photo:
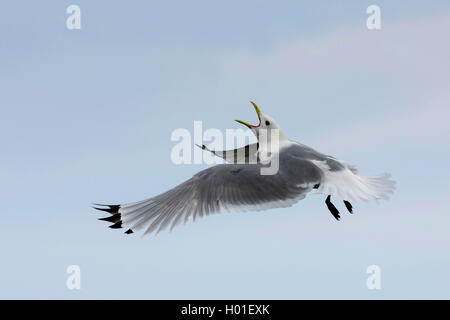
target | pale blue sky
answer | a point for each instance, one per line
(86, 116)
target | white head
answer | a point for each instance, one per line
(266, 125)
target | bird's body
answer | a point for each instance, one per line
(240, 186)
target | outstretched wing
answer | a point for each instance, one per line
(225, 187)
(247, 154)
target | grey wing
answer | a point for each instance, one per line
(304, 152)
(247, 154)
(225, 187)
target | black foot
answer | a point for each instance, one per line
(332, 208)
(348, 205)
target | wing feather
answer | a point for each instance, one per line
(225, 187)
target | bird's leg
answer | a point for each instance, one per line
(332, 208)
(348, 205)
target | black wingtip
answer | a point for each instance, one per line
(106, 205)
(349, 206)
(114, 218)
(203, 147)
(110, 208)
(116, 225)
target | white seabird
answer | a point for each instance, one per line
(240, 186)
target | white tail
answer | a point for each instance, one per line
(347, 185)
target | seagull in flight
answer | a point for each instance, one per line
(239, 184)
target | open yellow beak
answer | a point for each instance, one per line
(258, 112)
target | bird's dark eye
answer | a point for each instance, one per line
(267, 123)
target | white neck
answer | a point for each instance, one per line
(271, 140)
